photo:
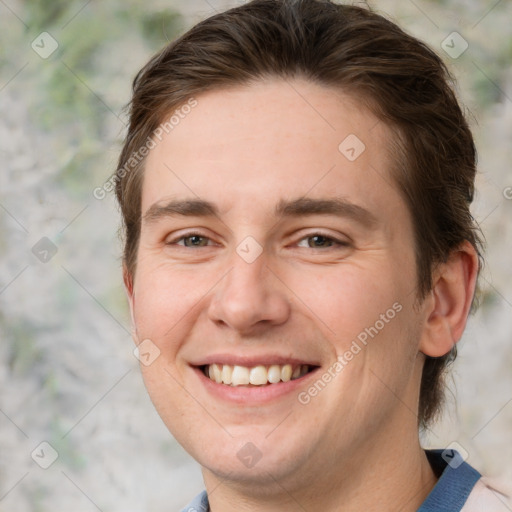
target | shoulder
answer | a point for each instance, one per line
(488, 495)
(462, 488)
(198, 504)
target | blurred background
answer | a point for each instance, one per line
(68, 376)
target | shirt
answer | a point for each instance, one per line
(460, 488)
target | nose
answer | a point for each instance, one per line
(250, 297)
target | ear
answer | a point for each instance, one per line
(128, 288)
(448, 303)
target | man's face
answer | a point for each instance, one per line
(277, 278)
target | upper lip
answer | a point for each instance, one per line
(251, 360)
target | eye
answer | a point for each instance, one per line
(322, 241)
(190, 240)
(314, 241)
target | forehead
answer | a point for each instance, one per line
(271, 140)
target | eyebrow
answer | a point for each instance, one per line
(285, 208)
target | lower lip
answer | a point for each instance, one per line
(253, 395)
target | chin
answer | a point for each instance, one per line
(250, 460)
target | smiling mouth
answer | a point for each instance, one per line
(261, 375)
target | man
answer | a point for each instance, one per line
(300, 258)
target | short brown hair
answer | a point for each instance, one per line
(401, 80)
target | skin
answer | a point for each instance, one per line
(356, 441)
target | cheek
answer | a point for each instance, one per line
(345, 300)
(365, 314)
(166, 301)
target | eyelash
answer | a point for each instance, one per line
(335, 241)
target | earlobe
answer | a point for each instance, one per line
(127, 279)
(449, 301)
(128, 288)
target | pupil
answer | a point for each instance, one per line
(195, 238)
(319, 238)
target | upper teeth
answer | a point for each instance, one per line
(256, 375)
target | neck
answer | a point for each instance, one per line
(395, 476)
